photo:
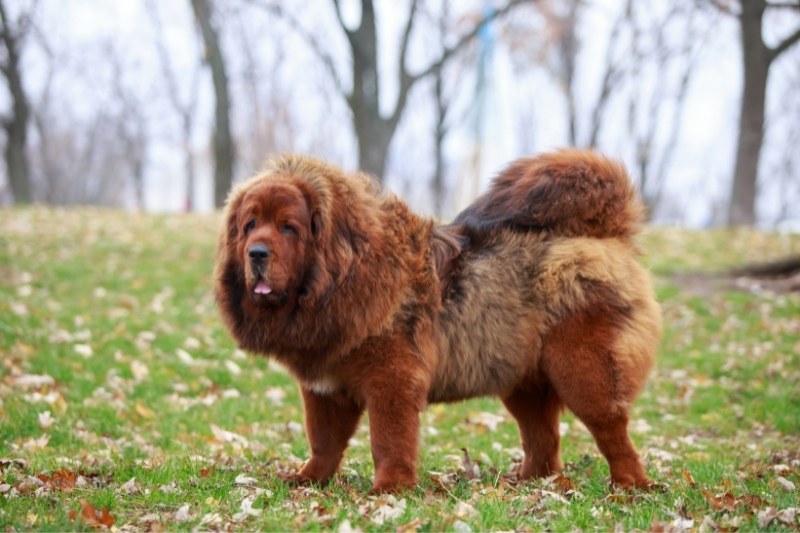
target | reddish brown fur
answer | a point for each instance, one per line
(533, 294)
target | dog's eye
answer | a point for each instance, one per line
(288, 229)
(250, 226)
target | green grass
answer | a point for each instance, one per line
(142, 383)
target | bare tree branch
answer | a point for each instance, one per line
(311, 39)
(783, 5)
(337, 9)
(723, 6)
(407, 80)
(784, 45)
(611, 77)
(406, 38)
(467, 38)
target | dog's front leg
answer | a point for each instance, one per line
(330, 422)
(394, 406)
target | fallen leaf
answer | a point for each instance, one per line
(183, 514)
(130, 486)
(276, 395)
(144, 411)
(36, 444)
(185, 357)
(46, 420)
(84, 350)
(242, 479)
(389, 509)
(211, 519)
(721, 502)
(766, 516)
(563, 484)
(6, 463)
(233, 368)
(461, 527)
(223, 435)
(246, 509)
(33, 381)
(688, 478)
(785, 484)
(345, 527)
(486, 420)
(788, 516)
(139, 370)
(92, 516)
(471, 470)
(465, 511)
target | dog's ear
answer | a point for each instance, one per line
(334, 249)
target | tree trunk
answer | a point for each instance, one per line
(223, 142)
(439, 133)
(373, 131)
(756, 60)
(16, 125)
(188, 162)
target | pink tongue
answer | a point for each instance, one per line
(262, 288)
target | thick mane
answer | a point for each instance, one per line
(345, 213)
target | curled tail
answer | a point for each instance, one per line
(566, 193)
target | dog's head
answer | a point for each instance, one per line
(290, 236)
(273, 228)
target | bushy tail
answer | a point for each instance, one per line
(566, 193)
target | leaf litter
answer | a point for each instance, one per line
(141, 341)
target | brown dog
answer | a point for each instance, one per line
(532, 294)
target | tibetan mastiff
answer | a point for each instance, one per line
(532, 294)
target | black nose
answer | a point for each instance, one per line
(258, 252)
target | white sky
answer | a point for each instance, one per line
(81, 31)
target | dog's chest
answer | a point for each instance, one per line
(323, 386)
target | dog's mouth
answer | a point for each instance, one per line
(264, 294)
(262, 288)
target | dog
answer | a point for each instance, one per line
(533, 294)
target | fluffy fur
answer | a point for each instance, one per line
(533, 294)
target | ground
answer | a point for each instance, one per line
(124, 403)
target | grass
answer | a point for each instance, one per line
(123, 401)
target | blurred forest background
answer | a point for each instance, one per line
(161, 105)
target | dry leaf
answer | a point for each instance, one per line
(785, 484)
(92, 516)
(46, 420)
(688, 478)
(84, 350)
(183, 514)
(143, 411)
(244, 480)
(788, 516)
(766, 516)
(465, 511)
(33, 381)
(471, 470)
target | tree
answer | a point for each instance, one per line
(12, 35)
(655, 113)
(374, 130)
(223, 140)
(757, 57)
(183, 107)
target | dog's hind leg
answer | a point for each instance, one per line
(536, 409)
(597, 380)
